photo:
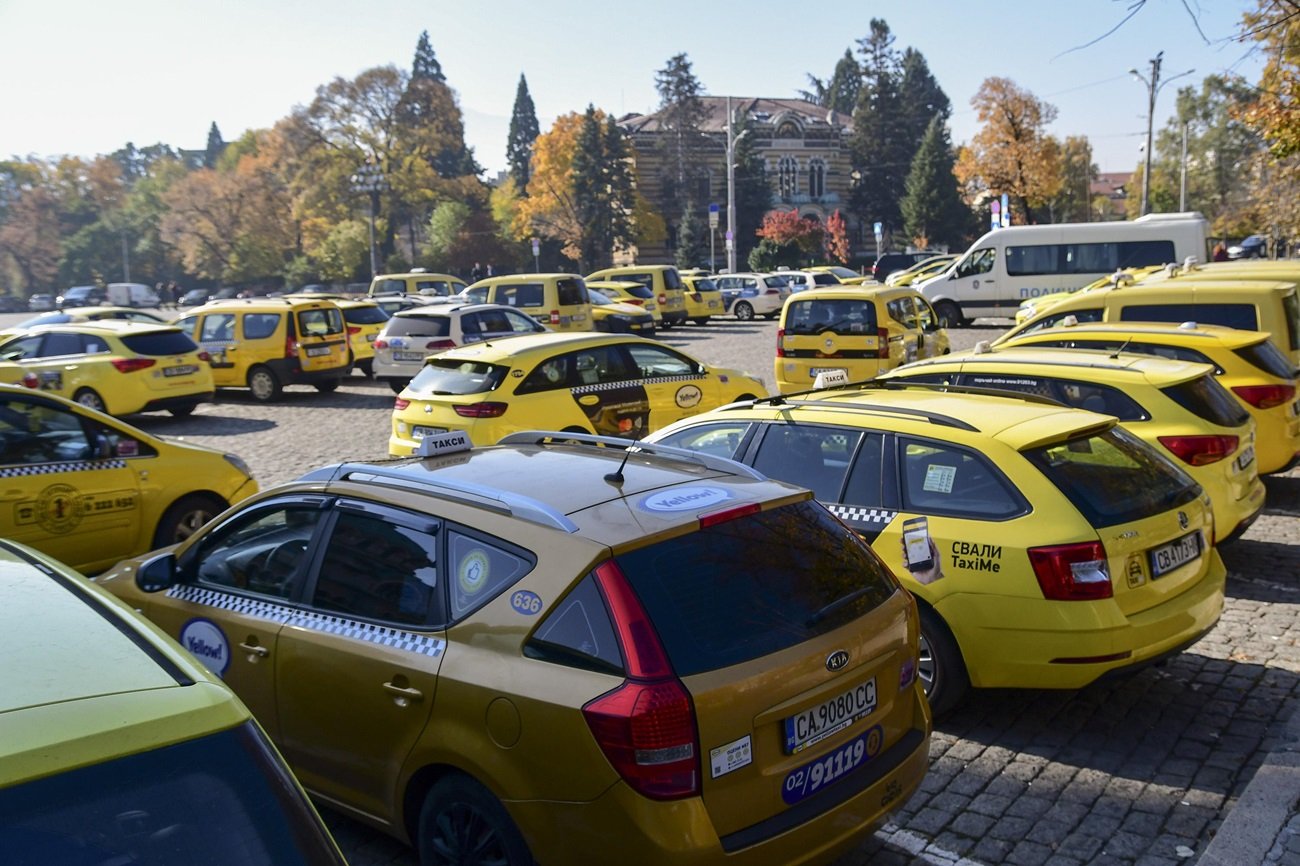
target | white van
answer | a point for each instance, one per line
(1010, 264)
(132, 295)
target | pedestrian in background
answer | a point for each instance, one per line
(476, 273)
(1220, 253)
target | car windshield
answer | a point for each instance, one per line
(787, 574)
(222, 798)
(1113, 477)
(454, 376)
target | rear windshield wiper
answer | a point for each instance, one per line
(835, 605)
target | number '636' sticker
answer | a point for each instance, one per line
(527, 603)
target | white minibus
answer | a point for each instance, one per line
(1008, 265)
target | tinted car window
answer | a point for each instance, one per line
(264, 551)
(672, 280)
(32, 432)
(847, 316)
(1113, 477)
(450, 376)
(1070, 392)
(365, 315)
(1240, 316)
(1206, 398)
(813, 457)
(61, 344)
(938, 478)
(478, 570)
(374, 568)
(578, 632)
(1116, 344)
(1291, 308)
(386, 286)
(418, 326)
(320, 322)
(722, 439)
(257, 326)
(159, 343)
(749, 561)
(1089, 315)
(1268, 358)
(522, 295)
(570, 292)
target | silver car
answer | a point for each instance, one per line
(414, 334)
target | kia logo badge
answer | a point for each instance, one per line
(1182, 519)
(837, 660)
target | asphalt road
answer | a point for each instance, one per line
(1136, 771)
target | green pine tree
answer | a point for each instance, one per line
(523, 132)
(881, 153)
(932, 209)
(426, 65)
(840, 93)
(216, 146)
(753, 190)
(692, 239)
(681, 114)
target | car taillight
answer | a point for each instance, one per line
(1265, 396)
(130, 365)
(400, 404)
(707, 520)
(381, 344)
(882, 337)
(204, 356)
(440, 344)
(31, 380)
(555, 317)
(481, 410)
(772, 292)
(1199, 450)
(640, 302)
(1072, 572)
(290, 347)
(646, 726)
(663, 300)
(780, 338)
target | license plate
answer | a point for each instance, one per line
(1246, 457)
(408, 356)
(370, 338)
(317, 351)
(183, 370)
(419, 431)
(1175, 553)
(812, 777)
(830, 717)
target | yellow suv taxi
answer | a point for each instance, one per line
(703, 298)
(264, 344)
(1177, 407)
(584, 383)
(510, 654)
(90, 490)
(116, 747)
(860, 330)
(1246, 363)
(1046, 546)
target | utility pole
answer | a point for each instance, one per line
(1153, 90)
(1182, 175)
(731, 190)
(369, 178)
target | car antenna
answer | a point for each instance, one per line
(616, 477)
(1123, 346)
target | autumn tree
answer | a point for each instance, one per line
(933, 212)
(837, 239)
(523, 132)
(784, 227)
(30, 231)
(1073, 201)
(1012, 152)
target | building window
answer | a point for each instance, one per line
(816, 178)
(788, 176)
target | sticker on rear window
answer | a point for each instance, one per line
(472, 573)
(684, 499)
(732, 756)
(938, 479)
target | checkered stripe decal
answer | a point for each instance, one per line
(322, 622)
(858, 514)
(632, 383)
(57, 468)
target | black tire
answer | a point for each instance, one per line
(461, 823)
(666, 325)
(182, 411)
(701, 320)
(327, 386)
(90, 399)
(949, 315)
(743, 311)
(186, 515)
(771, 316)
(942, 670)
(367, 368)
(264, 385)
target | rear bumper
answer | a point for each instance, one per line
(290, 372)
(183, 402)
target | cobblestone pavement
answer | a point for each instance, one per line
(1136, 771)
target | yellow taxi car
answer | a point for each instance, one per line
(628, 293)
(663, 280)
(264, 344)
(112, 365)
(365, 320)
(90, 490)
(847, 276)
(921, 271)
(1246, 363)
(85, 314)
(703, 298)
(610, 315)
(585, 383)
(417, 281)
(1177, 407)
(861, 330)
(1047, 547)
(118, 747)
(1031, 307)
(500, 655)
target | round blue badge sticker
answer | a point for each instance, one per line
(685, 499)
(206, 642)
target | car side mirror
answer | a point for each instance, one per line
(157, 574)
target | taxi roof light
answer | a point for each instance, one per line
(1200, 450)
(1072, 572)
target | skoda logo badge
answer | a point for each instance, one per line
(829, 342)
(1182, 519)
(837, 660)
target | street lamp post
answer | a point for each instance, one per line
(1153, 90)
(369, 178)
(731, 190)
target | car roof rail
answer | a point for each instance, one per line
(710, 461)
(501, 501)
(933, 417)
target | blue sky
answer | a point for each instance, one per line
(85, 76)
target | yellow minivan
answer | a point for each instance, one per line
(663, 280)
(558, 301)
(264, 344)
(416, 282)
(861, 330)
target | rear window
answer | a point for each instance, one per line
(672, 280)
(160, 343)
(570, 292)
(418, 326)
(521, 295)
(1205, 398)
(847, 316)
(324, 322)
(365, 315)
(822, 278)
(1267, 357)
(1240, 316)
(703, 285)
(1291, 308)
(637, 290)
(755, 585)
(451, 376)
(386, 287)
(1114, 477)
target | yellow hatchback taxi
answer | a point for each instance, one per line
(663, 280)
(89, 489)
(115, 366)
(1047, 547)
(1246, 363)
(1177, 407)
(582, 383)
(628, 293)
(703, 298)
(117, 747)
(860, 330)
(503, 655)
(264, 344)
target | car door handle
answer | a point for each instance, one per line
(255, 649)
(403, 696)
